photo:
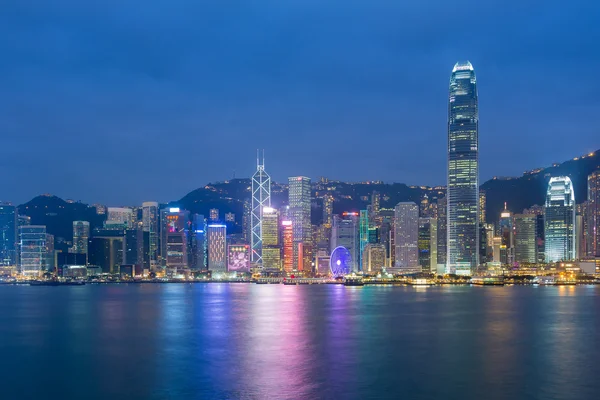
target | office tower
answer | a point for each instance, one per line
(345, 233)
(50, 259)
(538, 211)
(271, 251)
(150, 226)
(106, 249)
(238, 259)
(482, 205)
(376, 202)
(174, 234)
(363, 240)
(120, 216)
(559, 219)
(81, 237)
(442, 233)
(213, 214)
(524, 238)
(593, 214)
(426, 208)
(198, 245)
(463, 171)
(246, 221)
(300, 215)
(328, 210)
(216, 238)
(261, 198)
(32, 249)
(407, 236)
(287, 234)
(133, 253)
(506, 232)
(427, 243)
(497, 249)
(488, 242)
(375, 258)
(8, 234)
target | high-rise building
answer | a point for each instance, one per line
(442, 233)
(271, 251)
(32, 249)
(120, 216)
(107, 249)
(300, 215)
(345, 233)
(287, 235)
(133, 253)
(524, 238)
(150, 227)
(213, 214)
(538, 212)
(261, 198)
(482, 205)
(50, 259)
(375, 258)
(81, 237)
(363, 233)
(328, 210)
(174, 238)
(559, 219)
(463, 171)
(427, 243)
(506, 232)
(217, 247)
(593, 214)
(198, 243)
(8, 234)
(581, 229)
(407, 236)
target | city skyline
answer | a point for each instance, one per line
(131, 98)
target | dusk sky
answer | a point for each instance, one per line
(122, 101)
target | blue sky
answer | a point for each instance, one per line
(124, 101)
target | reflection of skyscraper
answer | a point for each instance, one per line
(407, 236)
(300, 211)
(217, 247)
(32, 246)
(559, 217)
(8, 234)
(150, 227)
(593, 211)
(261, 198)
(463, 167)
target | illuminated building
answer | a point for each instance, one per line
(538, 212)
(344, 233)
(559, 219)
(198, 245)
(328, 210)
(506, 232)
(593, 214)
(322, 259)
(375, 203)
(238, 259)
(50, 259)
(363, 239)
(427, 242)
(229, 217)
(482, 204)
(463, 169)
(497, 250)
(261, 198)
(8, 234)
(426, 208)
(300, 213)
(375, 258)
(174, 233)
(150, 228)
(217, 247)
(106, 249)
(581, 230)
(288, 246)
(213, 214)
(442, 233)
(81, 237)
(271, 252)
(133, 252)
(524, 237)
(100, 209)
(406, 236)
(32, 249)
(120, 215)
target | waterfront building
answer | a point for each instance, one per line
(174, 238)
(150, 228)
(106, 249)
(271, 251)
(299, 192)
(442, 233)
(363, 237)
(198, 243)
(50, 259)
(407, 236)
(261, 198)
(8, 234)
(133, 252)
(559, 219)
(463, 171)
(344, 232)
(287, 234)
(427, 243)
(506, 232)
(238, 258)
(32, 250)
(538, 212)
(217, 247)
(524, 238)
(593, 214)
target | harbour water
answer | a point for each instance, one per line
(247, 341)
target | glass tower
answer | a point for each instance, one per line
(593, 215)
(300, 214)
(463, 171)
(559, 220)
(261, 198)
(8, 234)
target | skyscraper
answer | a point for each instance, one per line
(8, 234)
(593, 215)
(300, 213)
(217, 247)
(524, 238)
(261, 198)
(345, 233)
(407, 236)
(287, 238)
(81, 237)
(463, 171)
(150, 227)
(559, 220)
(428, 244)
(198, 243)
(442, 234)
(174, 238)
(271, 251)
(32, 246)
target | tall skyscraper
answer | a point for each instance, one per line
(300, 213)
(593, 214)
(559, 219)
(150, 227)
(375, 258)
(442, 234)
(363, 233)
(506, 232)
(482, 205)
(463, 171)
(287, 238)
(217, 247)
(271, 251)
(198, 245)
(174, 238)
(33, 251)
(407, 236)
(524, 238)
(428, 244)
(261, 198)
(8, 234)
(81, 237)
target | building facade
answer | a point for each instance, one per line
(593, 215)
(300, 215)
(217, 247)
(261, 198)
(406, 236)
(559, 220)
